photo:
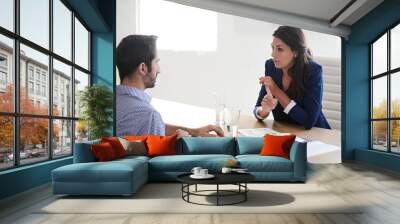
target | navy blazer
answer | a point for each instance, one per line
(308, 109)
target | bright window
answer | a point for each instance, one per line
(36, 116)
(385, 96)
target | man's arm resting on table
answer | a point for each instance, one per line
(171, 129)
(202, 131)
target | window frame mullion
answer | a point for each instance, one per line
(50, 81)
(389, 106)
(15, 71)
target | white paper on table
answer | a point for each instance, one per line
(260, 132)
(257, 132)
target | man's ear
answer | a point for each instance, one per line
(142, 68)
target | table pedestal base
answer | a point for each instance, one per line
(220, 193)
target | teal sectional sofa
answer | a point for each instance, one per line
(125, 176)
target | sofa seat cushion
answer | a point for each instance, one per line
(185, 163)
(112, 171)
(257, 163)
(133, 158)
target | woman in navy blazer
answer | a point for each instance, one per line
(292, 85)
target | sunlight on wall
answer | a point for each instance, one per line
(179, 27)
(183, 114)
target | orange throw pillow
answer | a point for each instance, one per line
(103, 152)
(161, 145)
(135, 138)
(277, 145)
(116, 145)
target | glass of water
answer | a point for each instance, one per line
(231, 120)
(219, 104)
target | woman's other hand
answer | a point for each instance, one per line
(268, 103)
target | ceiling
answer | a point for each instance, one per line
(320, 9)
(316, 15)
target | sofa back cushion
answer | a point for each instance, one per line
(206, 145)
(83, 153)
(249, 145)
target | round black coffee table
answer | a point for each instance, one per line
(238, 179)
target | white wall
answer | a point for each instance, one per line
(233, 69)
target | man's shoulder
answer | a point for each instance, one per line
(131, 104)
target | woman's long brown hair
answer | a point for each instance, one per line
(295, 39)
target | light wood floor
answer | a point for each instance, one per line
(378, 188)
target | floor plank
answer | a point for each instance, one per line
(376, 189)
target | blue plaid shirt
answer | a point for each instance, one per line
(135, 114)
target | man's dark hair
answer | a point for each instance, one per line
(134, 50)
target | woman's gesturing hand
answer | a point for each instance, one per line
(267, 81)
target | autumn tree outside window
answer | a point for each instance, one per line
(44, 64)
